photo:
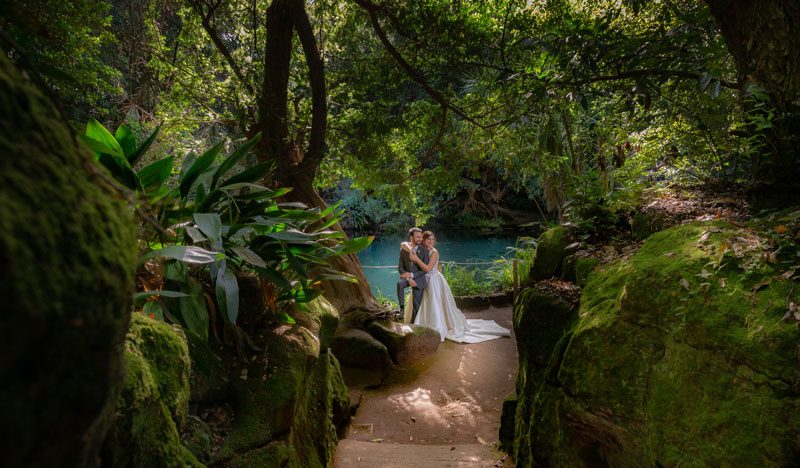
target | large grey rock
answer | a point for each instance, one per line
(357, 348)
(406, 343)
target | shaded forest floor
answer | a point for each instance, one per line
(443, 411)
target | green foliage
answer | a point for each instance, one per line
(466, 281)
(220, 224)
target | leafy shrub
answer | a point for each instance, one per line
(215, 224)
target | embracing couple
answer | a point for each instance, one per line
(431, 300)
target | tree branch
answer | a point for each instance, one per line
(415, 75)
(316, 76)
(649, 72)
(212, 32)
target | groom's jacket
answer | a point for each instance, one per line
(405, 265)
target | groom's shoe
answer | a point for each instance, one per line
(398, 315)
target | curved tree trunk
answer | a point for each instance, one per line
(763, 37)
(284, 18)
(67, 249)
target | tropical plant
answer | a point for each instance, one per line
(220, 225)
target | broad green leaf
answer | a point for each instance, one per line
(252, 174)
(193, 310)
(185, 253)
(297, 265)
(195, 234)
(334, 277)
(120, 169)
(126, 139)
(291, 235)
(274, 277)
(234, 158)
(143, 294)
(97, 132)
(156, 173)
(199, 167)
(298, 205)
(356, 244)
(249, 256)
(210, 224)
(228, 294)
(137, 154)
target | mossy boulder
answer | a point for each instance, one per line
(406, 343)
(153, 407)
(646, 223)
(68, 250)
(584, 266)
(197, 437)
(289, 399)
(674, 359)
(357, 348)
(549, 253)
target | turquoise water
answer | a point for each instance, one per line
(452, 247)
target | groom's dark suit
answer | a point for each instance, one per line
(406, 265)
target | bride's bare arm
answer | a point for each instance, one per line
(405, 246)
(431, 262)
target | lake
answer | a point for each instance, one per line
(452, 247)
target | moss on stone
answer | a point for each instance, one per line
(152, 408)
(584, 266)
(197, 438)
(289, 399)
(549, 253)
(67, 248)
(672, 362)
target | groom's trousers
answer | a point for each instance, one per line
(416, 294)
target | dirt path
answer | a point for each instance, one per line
(444, 411)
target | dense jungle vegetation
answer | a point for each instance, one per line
(478, 114)
(262, 138)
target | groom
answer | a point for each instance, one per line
(410, 273)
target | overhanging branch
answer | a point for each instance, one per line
(416, 75)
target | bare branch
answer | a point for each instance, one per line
(415, 74)
(207, 17)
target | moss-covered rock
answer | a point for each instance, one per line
(406, 343)
(289, 399)
(584, 266)
(197, 438)
(153, 407)
(357, 348)
(646, 223)
(549, 253)
(670, 362)
(67, 249)
(568, 268)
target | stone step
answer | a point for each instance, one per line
(358, 453)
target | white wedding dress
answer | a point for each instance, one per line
(438, 310)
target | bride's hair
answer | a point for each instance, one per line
(427, 234)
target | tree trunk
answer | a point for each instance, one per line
(284, 17)
(763, 37)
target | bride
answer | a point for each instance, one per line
(438, 308)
